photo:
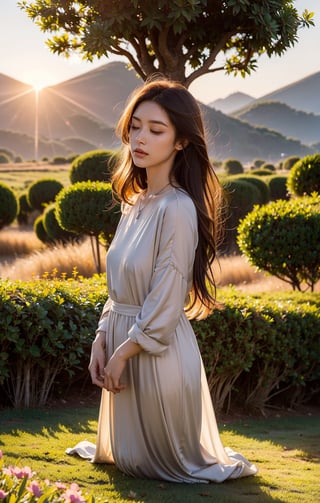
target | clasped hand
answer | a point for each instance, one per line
(106, 375)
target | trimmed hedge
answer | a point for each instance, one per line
(304, 177)
(283, 239)
(253, 348)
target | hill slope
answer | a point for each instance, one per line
(232, 103)
(87, 107)
(301, 95)
(280, 117)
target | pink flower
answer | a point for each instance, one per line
(60, 485)
(73, 494)
(1, 454)
(35, 488)
(20, 473)
(3, 494)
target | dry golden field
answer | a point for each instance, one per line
(24, 257)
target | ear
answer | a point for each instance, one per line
(180, 145)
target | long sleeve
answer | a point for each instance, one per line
(171, 280)
(103, 320)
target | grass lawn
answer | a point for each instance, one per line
(285, 449)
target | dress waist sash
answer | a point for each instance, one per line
(126, 309)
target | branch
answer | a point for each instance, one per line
(119, 51)
(205, 67)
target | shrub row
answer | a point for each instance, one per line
(253, 349)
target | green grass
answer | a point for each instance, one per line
(286, 451)
(19, 178)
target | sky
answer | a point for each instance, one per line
(25, 57)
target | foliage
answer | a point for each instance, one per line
(85, 208)
(45, 329)
(43, 192)
(304, 177)
(283, 238)
(253, 348)
(40, 231)
(257, 163)
(19, 485)
(241, 197)
(96, 165)
(9, 205)
(59, 159)
(171, 36)
(24, 209)
(268, 166)
(4, 159)
(232, 167)
(289, 162)
(261, 172)
(278, 187)
(258, 182)
(55, 233)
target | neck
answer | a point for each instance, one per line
(156, 185)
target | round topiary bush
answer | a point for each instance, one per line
(86, 208)
(278, 187)
(289, 162)
(257, 163)
(96, 165)
(9, 205)
(43, 192)
(268, 166)
(24, 210)
(258, 182)
(40, 231)
(54, 231)
(232, 167)
(283, 238)
(241, 197)
(4, 158)
(261, 172)
(304, 177)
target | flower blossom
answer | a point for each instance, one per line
(19, 473)
(34, 488)
(73, 494)
(3, 494)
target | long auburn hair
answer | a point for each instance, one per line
(192, 171)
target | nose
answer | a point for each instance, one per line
(140, 137)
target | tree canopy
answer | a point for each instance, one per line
(180, 39)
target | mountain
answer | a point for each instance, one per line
(98, 96)
(301, 95)
(281, 117)
(232, 103)
(230, 137)
(84, 110)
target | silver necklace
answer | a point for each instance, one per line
(150, 196)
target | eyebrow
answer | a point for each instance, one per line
(152, 121)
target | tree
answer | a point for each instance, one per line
(84, 208)
(179, 39)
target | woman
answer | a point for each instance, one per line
(156, 418)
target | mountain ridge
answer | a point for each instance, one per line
(87, 108)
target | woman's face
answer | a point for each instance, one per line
(153, 141)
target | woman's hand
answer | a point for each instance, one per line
(117, 363)
(98, 359)
(113, 372)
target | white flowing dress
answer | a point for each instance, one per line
(162, 426)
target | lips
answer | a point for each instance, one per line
(140, 153)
